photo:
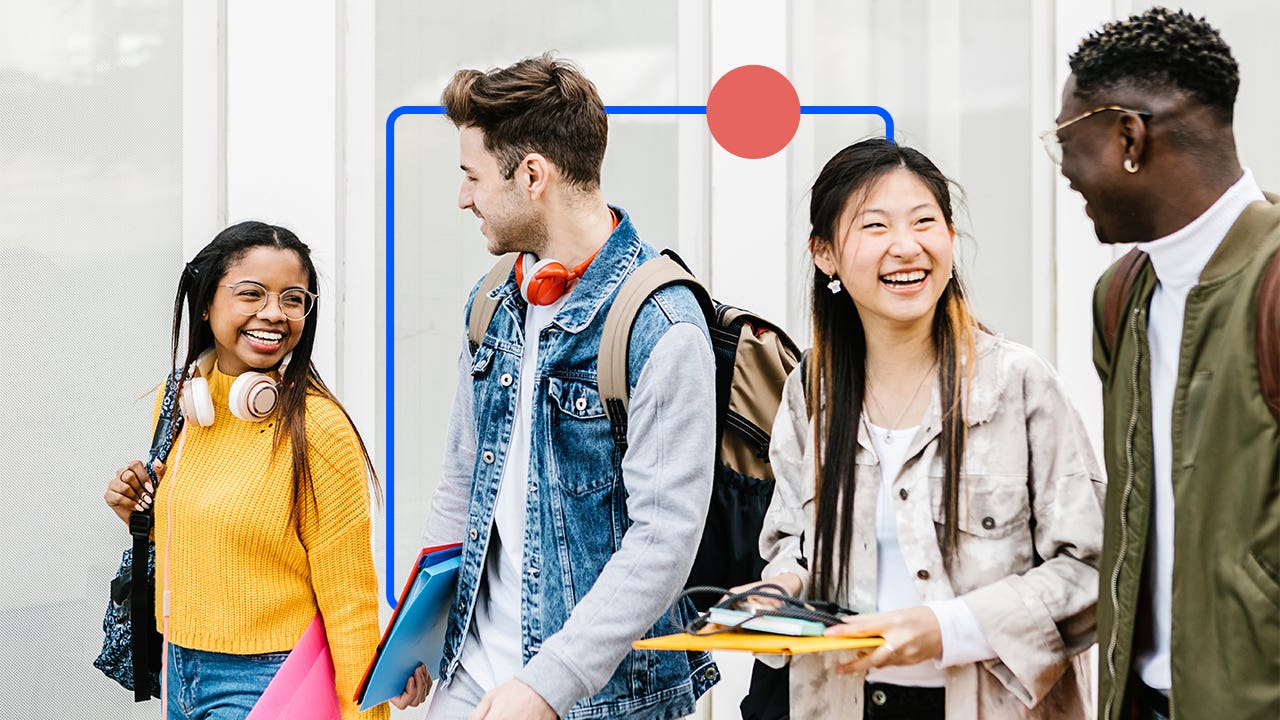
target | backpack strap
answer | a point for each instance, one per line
(1118, 292)
(1268, 334)
(142, 593)
(611, 363)
(804, 373)
(482, 306)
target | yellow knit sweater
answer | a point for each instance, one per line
(242, 578)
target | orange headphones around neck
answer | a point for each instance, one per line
(548, 280)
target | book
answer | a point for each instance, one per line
(415, 634)
(765, 623)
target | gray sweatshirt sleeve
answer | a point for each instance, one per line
(447, 518)
(667, 472)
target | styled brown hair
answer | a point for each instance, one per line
(837, 367)
(540, 104)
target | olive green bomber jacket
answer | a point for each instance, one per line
(1225, 640)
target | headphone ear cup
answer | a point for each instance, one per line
(253, 397)
(544, 283)
(197, 402)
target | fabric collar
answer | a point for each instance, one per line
(1180, 257)
(617, 259)
(981, 399)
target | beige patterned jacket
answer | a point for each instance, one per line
(1031, 532)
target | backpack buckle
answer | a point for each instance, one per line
(140, 524)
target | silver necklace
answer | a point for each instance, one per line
(888, 432)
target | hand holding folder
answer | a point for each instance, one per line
(415, 634)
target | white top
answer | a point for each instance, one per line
(962, 638)
(492, 653)
(1178, 260)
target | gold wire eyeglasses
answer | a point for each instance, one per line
(1053, 145)
(250, 298)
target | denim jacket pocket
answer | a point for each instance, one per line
(584, 451)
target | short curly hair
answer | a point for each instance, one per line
(1159, 49)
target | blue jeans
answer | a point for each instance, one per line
(217, 686)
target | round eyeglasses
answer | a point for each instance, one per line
(1053, 145)
(250, 298)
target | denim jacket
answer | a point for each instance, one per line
(582, 495)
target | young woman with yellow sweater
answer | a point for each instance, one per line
(263, 522)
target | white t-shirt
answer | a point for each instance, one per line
(492, 651)
(962, 638)
(895, 585)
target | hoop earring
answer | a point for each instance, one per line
(1130, 166)
(834, 286)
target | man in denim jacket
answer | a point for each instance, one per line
(572, 549)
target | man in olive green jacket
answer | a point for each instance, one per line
(1189, 602)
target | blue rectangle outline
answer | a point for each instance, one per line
(389, 271)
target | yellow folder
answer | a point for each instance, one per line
(756, 643)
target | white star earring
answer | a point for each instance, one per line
(834, 286)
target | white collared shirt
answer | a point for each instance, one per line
(1178, 260)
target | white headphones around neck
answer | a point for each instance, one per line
(253, 395)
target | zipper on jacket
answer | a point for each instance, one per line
(1124, 516)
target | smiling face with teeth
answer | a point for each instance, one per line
(894, 251)
(256, 342)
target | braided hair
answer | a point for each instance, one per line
(1160, 49)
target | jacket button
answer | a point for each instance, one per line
(710, 674)
(533, 487)
(922, 574)
(488, 457)
(878, 697)
(902, 493)
(473, 534)
(988, 522)
(506, 380)
(581, 404)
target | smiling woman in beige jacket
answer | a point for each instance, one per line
(956, 501)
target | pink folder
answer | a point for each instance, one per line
(303, 689)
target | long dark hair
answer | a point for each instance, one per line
(837, 373)
(200, 281)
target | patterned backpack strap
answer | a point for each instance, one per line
(1268, 334)
(141, 592)
(1118, 292)
(483, 307)
(168, 425)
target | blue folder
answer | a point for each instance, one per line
(415, 635)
